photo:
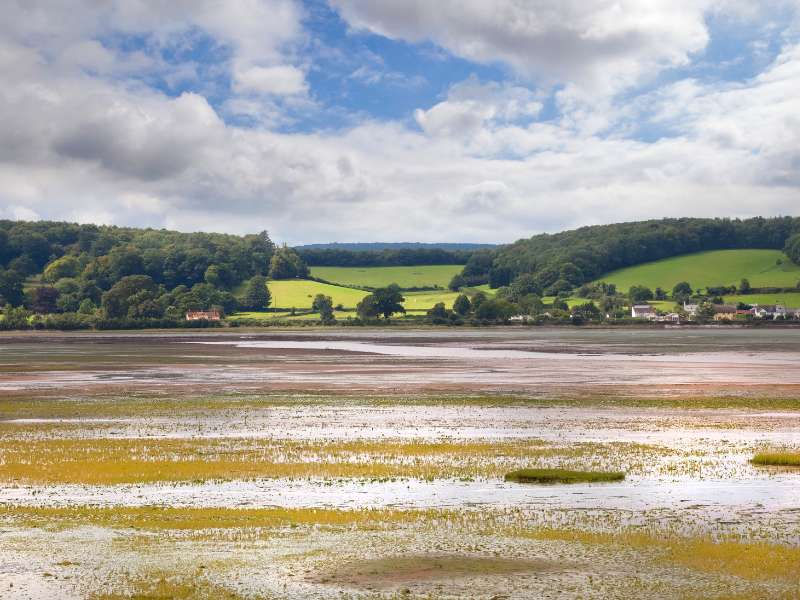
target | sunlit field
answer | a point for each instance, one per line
(405, 277)
(763, 268)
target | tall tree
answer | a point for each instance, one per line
(256, 294)
(324, 306)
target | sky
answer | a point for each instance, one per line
(397, 120)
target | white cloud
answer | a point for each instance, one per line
(604, 45)
(281, 80)
(81, 141)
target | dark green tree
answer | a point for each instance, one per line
(462, 305)
(45, 300)
(744, 286)
(324, 306)
(287, 264)
(256, 294)
(367, 308)
(640, 293)
(681, 292)
(117, 301)
(389, 300)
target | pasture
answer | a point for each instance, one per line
(299, 293)
(714, 268)
(406, 277)
(789, 300)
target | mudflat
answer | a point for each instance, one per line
(372, 462)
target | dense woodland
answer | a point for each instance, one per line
(386, 257)
(118, 275)
(553, 263)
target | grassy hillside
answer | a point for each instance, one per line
(299, 293)
(718, 267)
(789, 300)
(405, 277)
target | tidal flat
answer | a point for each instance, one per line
(372, 463)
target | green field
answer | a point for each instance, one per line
(789, 300)
(299, 293)
(405, 277)
(704, 269)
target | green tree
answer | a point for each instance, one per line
(11, 290)
(478, 299)
(705, 312)
(525, 284)
(384, 301)
(682, 292)
(287, 264)
(86, 307)
(389, 300)
(45, 300)
(495, 310)
(117, 301)
(744, 286)
(324, 306)
(213, 276)
(439, 311)
(368, 307)
(462, 305)
(256, 294)
(660, 294)
(640, 293)
(66, 266)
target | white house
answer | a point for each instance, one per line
(690, 309)
(643, 311)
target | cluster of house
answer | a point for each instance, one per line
(722, 312)
(203, 315)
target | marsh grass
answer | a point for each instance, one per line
(54, 406)
(753, 561)
(158, 518)
(119, 461)
(777, 459)
(562, 476)
(163, 586)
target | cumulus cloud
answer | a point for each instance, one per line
(603, 45)
(85, 138)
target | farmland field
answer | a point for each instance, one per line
(405, 277)
(789, 300)
(299, 293)
(703, 269)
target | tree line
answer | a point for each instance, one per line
(387, 257)
(554, 263)
(105, 273)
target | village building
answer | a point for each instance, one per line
(723, 312)
(670, 318)
(203, 315)
(643, 311)
(690, 308)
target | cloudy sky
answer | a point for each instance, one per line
(395, 120)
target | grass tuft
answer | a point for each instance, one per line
(777, 459)
(562, 476)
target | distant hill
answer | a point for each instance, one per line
(716, 268)
(371, 246)
(563, 261)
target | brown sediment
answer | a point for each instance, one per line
(397, 571)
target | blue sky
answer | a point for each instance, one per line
(396, 120)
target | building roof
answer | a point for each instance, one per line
(724, 309)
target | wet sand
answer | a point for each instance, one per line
(432, 419)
